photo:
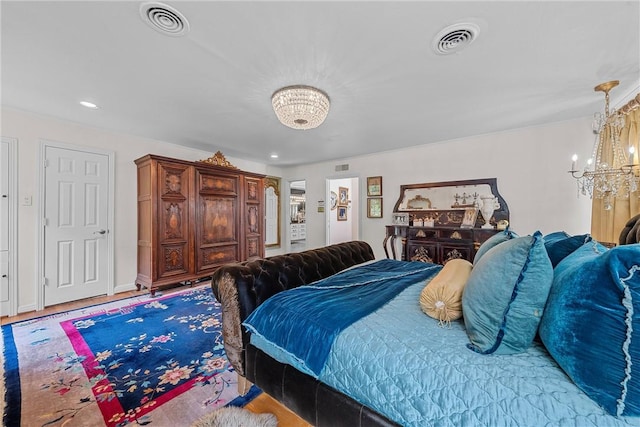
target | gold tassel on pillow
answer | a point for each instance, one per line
(442, 297)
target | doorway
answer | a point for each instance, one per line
(75, 240)
(297, 215)
(343, 215)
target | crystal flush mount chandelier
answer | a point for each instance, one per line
(300, 107)
(611, 171)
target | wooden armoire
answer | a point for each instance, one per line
(194, 217)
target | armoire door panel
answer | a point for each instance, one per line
(253, 190)
(173, 180)
(174, 221)
(173, 259)
(218, 224)
(253, 219)
(215, 256)
(212, 184)
(253, 247)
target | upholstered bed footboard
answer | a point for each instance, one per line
(242, 287)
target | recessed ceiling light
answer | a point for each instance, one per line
(274, 156)
(89, 104)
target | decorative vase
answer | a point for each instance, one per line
(489, 205)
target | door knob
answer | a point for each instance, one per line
(100, 232)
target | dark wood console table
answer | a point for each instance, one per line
(435, 244)
(443, 220)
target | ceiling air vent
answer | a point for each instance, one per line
(455, 37)
(164, 18)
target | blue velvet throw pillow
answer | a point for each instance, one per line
(505, 296)
(492, 241)
(555, 237)
(591, 324)
(560, 244)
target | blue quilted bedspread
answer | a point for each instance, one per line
(310, 317)
(401, 363)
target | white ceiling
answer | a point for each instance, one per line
(533, 62)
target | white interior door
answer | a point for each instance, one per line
(76, 210)
(343, 219)
(4, 228)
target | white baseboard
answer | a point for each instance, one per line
(119, 288)
(26, 308)
(125, 288)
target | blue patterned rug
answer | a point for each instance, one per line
(140, 361)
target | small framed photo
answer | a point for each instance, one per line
(374, 208)
(400, 218)
(343, 196)
(469, 218)
(374, 186)
(342, 213)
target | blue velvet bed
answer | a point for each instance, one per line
(362, 333)
(404, 365)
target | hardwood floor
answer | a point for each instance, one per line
(265, 403)
(261, 404)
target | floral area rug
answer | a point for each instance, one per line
(144, 361)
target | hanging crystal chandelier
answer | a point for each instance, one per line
(608, 173)
(300, 107)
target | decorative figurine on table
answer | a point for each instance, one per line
(489, 205)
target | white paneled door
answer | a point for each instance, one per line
(5, 288)
(76, 210)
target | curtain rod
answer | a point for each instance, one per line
(630, 106)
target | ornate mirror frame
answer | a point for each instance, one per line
(444, 203)
(272, 183)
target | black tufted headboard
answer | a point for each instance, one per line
(242, 287)
(631, 232)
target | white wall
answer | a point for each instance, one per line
(29, 130)
(530, 165)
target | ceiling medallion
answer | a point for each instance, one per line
(300, 107)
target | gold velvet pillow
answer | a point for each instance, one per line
(442, 297)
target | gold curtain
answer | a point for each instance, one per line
(606, 225)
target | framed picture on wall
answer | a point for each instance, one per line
(374, 186)
(342, 213)
(343, 196)
(374, 207)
